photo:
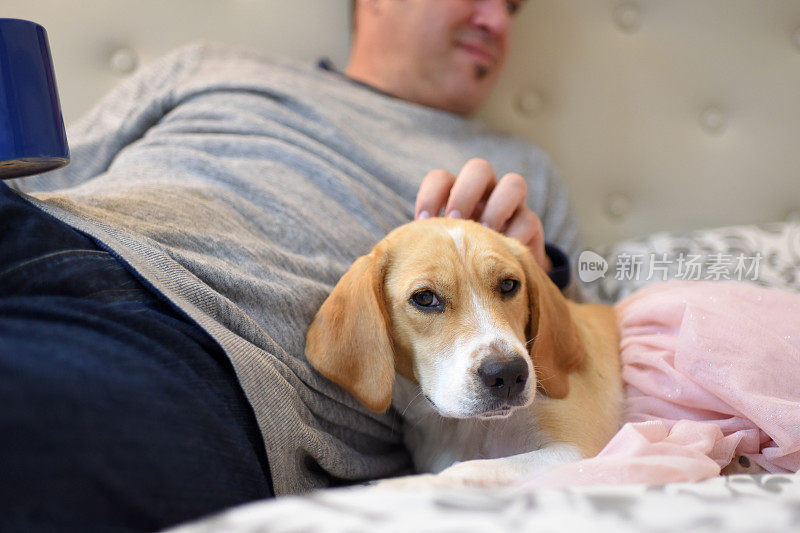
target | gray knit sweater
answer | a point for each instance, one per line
(241, 188)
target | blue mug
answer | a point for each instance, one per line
(32, 135)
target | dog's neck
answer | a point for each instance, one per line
(437, 442)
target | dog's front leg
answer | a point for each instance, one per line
(499, 472)
(509, 470)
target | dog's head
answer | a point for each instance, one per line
(455, 307)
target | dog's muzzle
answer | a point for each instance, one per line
(504, 384)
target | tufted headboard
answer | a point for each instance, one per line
(661, 114)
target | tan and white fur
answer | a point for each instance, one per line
(496, 374)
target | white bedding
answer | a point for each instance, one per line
(733, 504)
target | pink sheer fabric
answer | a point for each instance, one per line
(711, 371)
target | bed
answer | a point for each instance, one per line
(732, 504)
(642, 104)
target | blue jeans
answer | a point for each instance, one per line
(117, 413)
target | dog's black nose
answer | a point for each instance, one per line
(504, 379)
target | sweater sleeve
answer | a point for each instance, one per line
(121, 117)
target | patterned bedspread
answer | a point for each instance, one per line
(733, 504)
(767, 255)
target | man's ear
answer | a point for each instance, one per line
(348, 340)
(557, 349)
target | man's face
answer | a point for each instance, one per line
(452, 51)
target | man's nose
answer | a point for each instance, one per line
(492, 16)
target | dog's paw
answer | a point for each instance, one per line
(408, 482)
(475, 473)
(478, 473)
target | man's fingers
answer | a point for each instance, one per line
(477, 194)
(526, 227)
(474, 184)
(507, 197)
(433, 193)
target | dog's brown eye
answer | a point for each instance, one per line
(508, 286)
(426, 300)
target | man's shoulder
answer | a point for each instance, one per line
(229, 55)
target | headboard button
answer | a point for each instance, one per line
(529, 102)
(628, 16)
(713, 120)
(617, 206)
(123, 61)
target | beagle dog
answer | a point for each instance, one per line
(496, 374)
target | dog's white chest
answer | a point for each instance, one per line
(437, 442)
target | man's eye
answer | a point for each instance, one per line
(513, 6)
(508, 286)
(426, 300)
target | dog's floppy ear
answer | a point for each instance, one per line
(348, 340)
(557, 349)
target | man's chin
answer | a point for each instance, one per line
(481, 72)
(469, 91)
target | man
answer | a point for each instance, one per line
(447, 55)
(154, 294)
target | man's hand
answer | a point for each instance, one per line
(477, 194)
